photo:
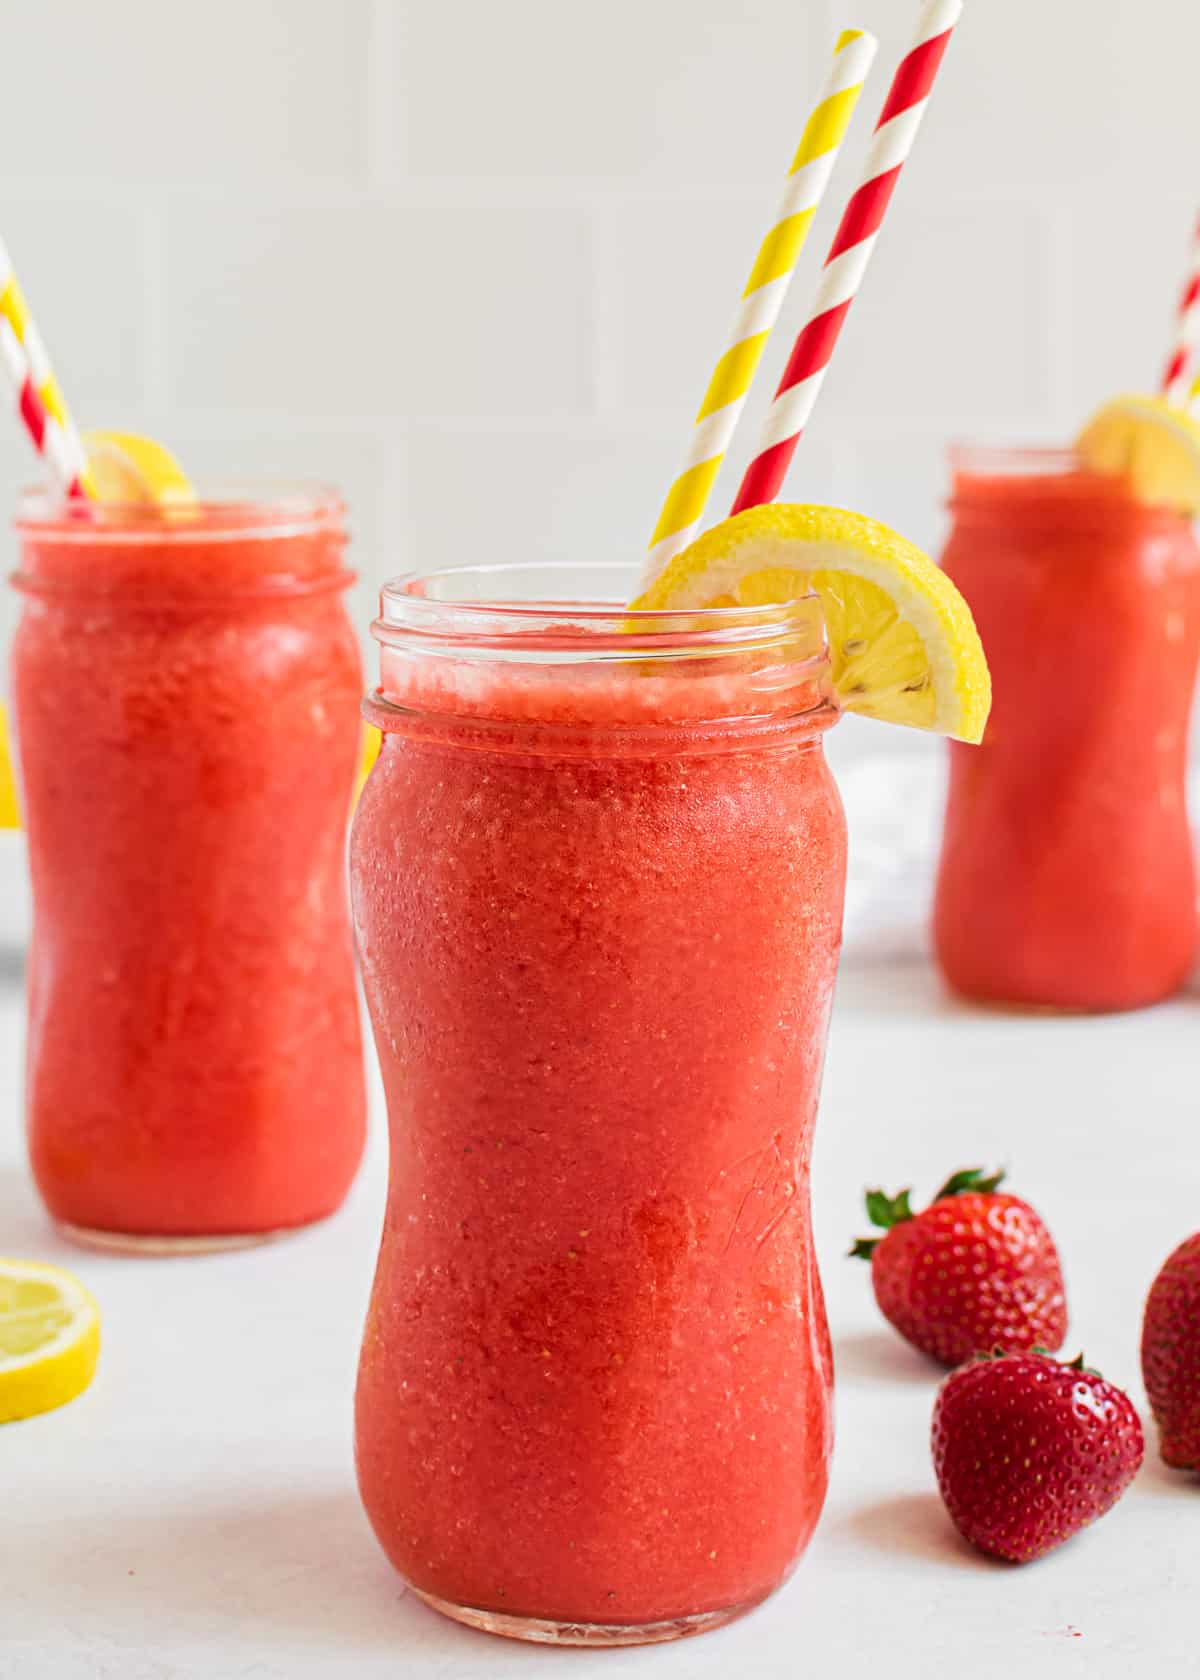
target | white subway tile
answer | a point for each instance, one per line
(588, 495)
(687, 91)
(1050, 95)
(235, 91)
(370, 310)
(1118, 295)
(540, 494)
(951, 318)
(951, 323)
(674, 272)
(901, 480)
(80, 266)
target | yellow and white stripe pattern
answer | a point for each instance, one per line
(43, 408)
(762, 298)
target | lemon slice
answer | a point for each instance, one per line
(903, 645)
(369, 745)
(1152, 445)
(134, 471)
(49, 1338)
(10, 812)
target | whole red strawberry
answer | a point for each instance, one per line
(1171, 1355)
(976, 1271)
(1028, 1451)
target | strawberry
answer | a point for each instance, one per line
(975, 1271)
(1171, 1355)
(1029, 1450)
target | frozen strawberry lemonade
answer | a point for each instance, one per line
(1067, 878)
(186, 690)
(597, 882)
(599, 944)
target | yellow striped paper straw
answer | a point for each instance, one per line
(763, 298)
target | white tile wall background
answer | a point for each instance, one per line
(472, 261)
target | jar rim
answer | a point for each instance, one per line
(1049, 487)
(500, 608)
(230, 511)
(987, 460)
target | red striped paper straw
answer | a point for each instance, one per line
(40, 404)
(849, 254)
(1187, 330)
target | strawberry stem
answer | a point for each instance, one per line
(975, 1179)
(1040, 1352)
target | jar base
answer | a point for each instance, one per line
(538, 1631)
(146, 1243)
(991, 1005)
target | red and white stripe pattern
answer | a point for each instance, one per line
(40, 404)
(849, 254)
(1187, 331)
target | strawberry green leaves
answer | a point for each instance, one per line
(971, 1178)
(884, 1211)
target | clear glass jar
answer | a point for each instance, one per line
(186, 689)
(597, 879)
(1066, 875)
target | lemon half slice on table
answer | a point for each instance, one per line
(1151, 444)
(903, 645)
(49, 1338)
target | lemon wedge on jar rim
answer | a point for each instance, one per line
(130, 471)
(49, 1338)
(902, 643)
(125, 468)
(1151, 444)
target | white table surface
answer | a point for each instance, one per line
(194, 1517)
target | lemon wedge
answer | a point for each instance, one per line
(10, 812)
(1152, 445)
(49, 1338)
(368, 752)
(125, 469)
(134, 471)
(903, 645)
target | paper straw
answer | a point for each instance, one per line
(849, 254)
(1187, 329)
(763, 298)
(40, 403)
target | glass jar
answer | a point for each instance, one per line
(597, 878)
(1066, 875)
(186, 688)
